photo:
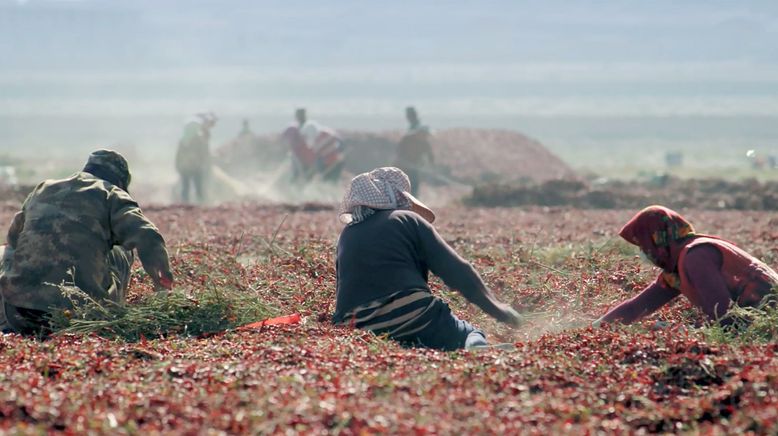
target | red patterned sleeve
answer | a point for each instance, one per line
(648, 301)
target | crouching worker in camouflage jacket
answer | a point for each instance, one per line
(77, 231)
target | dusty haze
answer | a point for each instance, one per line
(594, 81)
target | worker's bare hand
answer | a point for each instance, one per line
(163, 279)
(157, 266)
(512, 318)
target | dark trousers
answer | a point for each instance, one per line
(193, 178)
(120, 266)
(445, 332)
(333, 173)
(35, 322)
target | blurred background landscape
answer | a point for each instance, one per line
(609, 87)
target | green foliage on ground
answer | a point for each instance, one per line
(750, 325)
(160, 314)
(562, 268)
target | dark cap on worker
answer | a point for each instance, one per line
(109, 165)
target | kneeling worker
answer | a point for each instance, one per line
(79, 231)
(383, 260)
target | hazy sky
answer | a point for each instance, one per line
(482, 57)
(152, 33)
(110, 66)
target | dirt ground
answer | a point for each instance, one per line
(714, 194)
(555, 258)
(561, 267)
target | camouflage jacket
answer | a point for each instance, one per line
(63, 235)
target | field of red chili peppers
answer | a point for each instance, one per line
(563, 267)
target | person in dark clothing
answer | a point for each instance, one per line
(193, 156)
(414, 152)
(245, 129)
(384, 257)
(193, 160)
(301, 116)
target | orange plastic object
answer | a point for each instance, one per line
(288, 319)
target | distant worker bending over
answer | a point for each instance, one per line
(712, 273)
(316, 150)
(383, 260)
(414, 152)
(77, 231)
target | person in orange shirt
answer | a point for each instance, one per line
(712, 273)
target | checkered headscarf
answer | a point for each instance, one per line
(380, 189)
